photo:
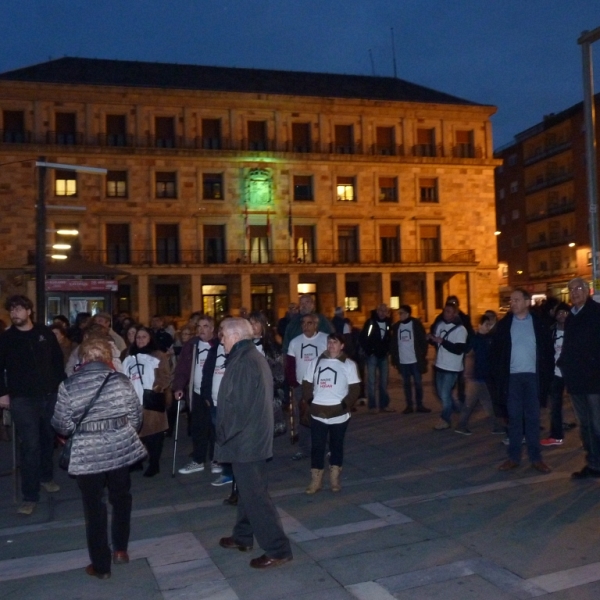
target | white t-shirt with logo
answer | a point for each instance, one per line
(218, 373)
(305, 349)
(330, 378)
(200, 354)
(406, 344)
(141, 370)
(457, 334)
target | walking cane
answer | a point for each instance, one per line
(293, 437)
(176, 435)
(15, 465)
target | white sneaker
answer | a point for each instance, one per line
(215, 467)
(191, 467)
(26, 508)
(50, 486)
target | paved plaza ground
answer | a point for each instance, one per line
(422, 515)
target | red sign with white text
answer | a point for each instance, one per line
(81, 285)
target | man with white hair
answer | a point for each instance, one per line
(244, 438)
(579, 363)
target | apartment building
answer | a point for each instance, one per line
(542, 206)
(229, 188)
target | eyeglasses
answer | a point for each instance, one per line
(578, 288)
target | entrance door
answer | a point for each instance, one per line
(91, 304)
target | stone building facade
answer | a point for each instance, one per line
(238, 187)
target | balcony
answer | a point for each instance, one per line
(467, 151)
(552, 241)
(547, 152)
(552, 211)
(317, 257)
(549, 179)
(428, 150)
(15, 137)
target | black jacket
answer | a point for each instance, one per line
(244, 427)
(32, 362)
(420, 343)
(500, 352)
(370, 336)
(579, 359)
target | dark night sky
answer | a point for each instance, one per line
(519, 55)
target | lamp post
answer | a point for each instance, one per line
(586, 40)
(40, 238)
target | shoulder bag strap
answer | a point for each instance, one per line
(96, 395)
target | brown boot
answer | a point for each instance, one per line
(316, 482)
(334, 478)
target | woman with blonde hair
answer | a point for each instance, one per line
(100, 408)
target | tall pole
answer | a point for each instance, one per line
(40, 246)
(586, 39)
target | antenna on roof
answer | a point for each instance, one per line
(372, 63)
(394, 53)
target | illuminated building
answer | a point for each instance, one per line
(239, 187)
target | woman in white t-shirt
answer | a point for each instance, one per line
(331, 387)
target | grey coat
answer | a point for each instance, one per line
(244, 427)
(108, 437)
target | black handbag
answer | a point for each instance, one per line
(154, 401)
(65, 454)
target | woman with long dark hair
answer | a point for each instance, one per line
(148, 369)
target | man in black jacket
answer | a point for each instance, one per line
(579, 363)
(522, 367)
(31, 363)
(244, 437)
(375, 341)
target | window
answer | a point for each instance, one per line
(166, 184)
(555, 260)
(14, 126)
(384, 141)
(65, 183)
(502, 219)
(344, 139)
(214, 244)
(116, 184)
(515, 214)
(301, 141)
(464, 145)
(396, 290)
(303, 188)
(211, 134)
(116, 130)
(168, 301)
(262, 300)
(348, 244)
(352, 298)
(259, 244)
(512, 160)
(164, 132)
(425, 142)
(428, 190)
(501, 193)
(429, 239)
(257, 135)
(66, 128)
(212, 186)
(214, 300)
(345, 189)
(514, 187)
(390, 243)
(516, 241)
(117, 243)
(304, 241)
(388, 189)
(167, 244)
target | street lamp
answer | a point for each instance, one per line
(40, 239)
(586, 40)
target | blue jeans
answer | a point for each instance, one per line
(523, 405)
(444, 382)
(408, 371)
(32, 417)
(375, 363)
(587, 407)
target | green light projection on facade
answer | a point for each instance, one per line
(258, 189)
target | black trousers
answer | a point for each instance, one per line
(257, 516)
(202, 430)
(96, 518)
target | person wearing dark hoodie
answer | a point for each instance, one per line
(375, 341)
(409, 355)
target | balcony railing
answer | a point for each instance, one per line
(553, 240)
(547, 152)
(428, 150)
(552, 211)
(549, 179)
(15, 137)
(321, 257)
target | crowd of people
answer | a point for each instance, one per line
(118, 387)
